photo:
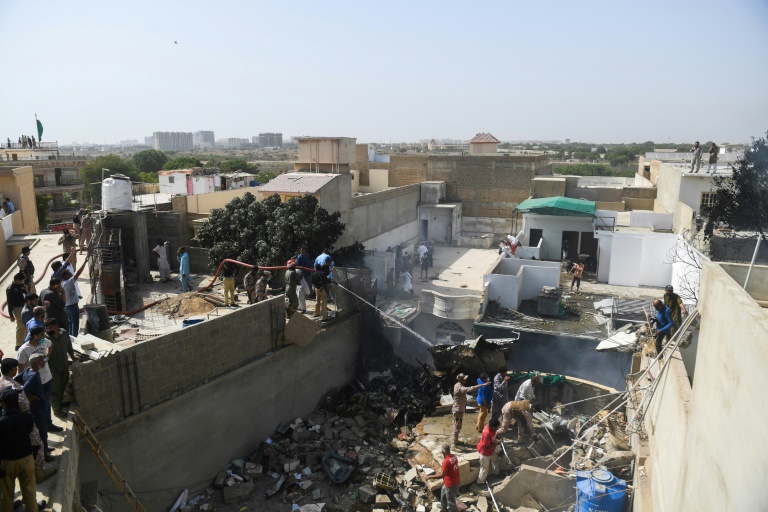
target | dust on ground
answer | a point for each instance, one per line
(185, 304)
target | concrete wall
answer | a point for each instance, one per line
(379, 263)
(633, 259)
(480, 225)
(426, 325)
(553, 227)
(706, 449)
(548, 186)
(378, 214)
(758, 279)
(487, 185)
(107, 392)
(515, 280)
(646, 219)
(340, 150)
(723, 248)
(188, 439)
(432, 192)
(204, 203)
(443, 222)
(668, 182)
(18, 184)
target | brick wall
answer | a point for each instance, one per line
(121, 385)
(385, 195)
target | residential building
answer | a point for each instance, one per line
(16, 184)
(483, 143)
(204, 139)
(54, 174)
(325, 154)
(173, 141)
(270, 140)
(233, 142)
(189, 181)
(149, 141)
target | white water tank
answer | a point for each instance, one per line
(116, 193)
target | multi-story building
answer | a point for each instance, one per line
(204, 139)
(149, 141)
(234, 142)
(54, 174)
(173, 141)
(270, 140)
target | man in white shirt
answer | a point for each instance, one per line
(71, 302)
(422, 251)
(162, 260)
(526, 389)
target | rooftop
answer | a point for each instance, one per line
(299, 183)
(484, 138)
(685, 169)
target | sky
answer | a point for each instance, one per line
(598, 71)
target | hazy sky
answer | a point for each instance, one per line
(611, 71)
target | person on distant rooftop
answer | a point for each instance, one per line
(712, 164)
(696, 160)
(664, 323)
(86, 232)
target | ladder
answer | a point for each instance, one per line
(101, 454)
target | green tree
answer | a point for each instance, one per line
(741, 200)
(182, 162)
(264, 177)
(43, 207)
(268, 232)
(92, 172)
(149, 177)
(149, 161)
(237, 165)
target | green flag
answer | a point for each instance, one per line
(39, 129)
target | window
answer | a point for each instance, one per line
(170, 179)
(707, 201)
(449, 332)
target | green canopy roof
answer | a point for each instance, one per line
(558, 206)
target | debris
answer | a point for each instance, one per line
(367, 493)
(337, 467)
(238, 491)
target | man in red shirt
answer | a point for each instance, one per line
(450, 476)
(487, 449)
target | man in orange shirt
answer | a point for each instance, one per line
(450, 476)
(577, 270)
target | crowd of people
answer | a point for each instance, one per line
(423, 259)
(25, 142)
(711, 161)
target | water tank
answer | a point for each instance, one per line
(599, 491)
(116, 193)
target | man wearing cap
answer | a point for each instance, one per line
(293, 279)
(675, 305)
(517, 411)
(27, 268)
(58, 363)
(9, 368)
(460, 391)
(451, 479)
(15, 296)
(16, 459)
(261, 285)
(228, 273)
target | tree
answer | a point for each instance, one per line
(149, 177)
(182, 162)
(149, 161)
(264, 177)
(91, 174)
(237, 165)
(268, 232)
(741, 200)
(43, 207)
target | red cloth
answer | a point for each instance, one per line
(450, 470)
(485, 446)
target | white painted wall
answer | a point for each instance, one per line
(7, 223)
(636, 259)
(553, 227)
(179, 185)
(529, 253)
(691, 188)
(514, 280)
(647, 219)
(706, 445)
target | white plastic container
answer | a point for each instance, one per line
(116, 193)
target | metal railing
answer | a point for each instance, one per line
(37, 145)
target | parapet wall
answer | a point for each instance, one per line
(113, 388)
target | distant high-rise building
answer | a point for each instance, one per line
(173, 141)
(271, 140)
(233, 142)
(204, 139)
(149, 141)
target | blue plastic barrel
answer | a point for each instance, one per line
(599, 491)
(192, 320)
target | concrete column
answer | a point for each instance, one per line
(141, 242)
(179, 204)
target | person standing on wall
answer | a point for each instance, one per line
(675, 305)
(451, 480)
(664, 324)
(712, 164)
(696, 160)
(15, 296)
(183, 258)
